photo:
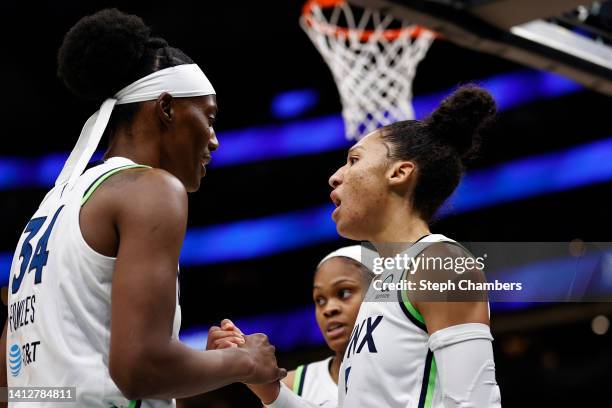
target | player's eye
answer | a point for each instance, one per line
(320, 301)
(352, 160)
(345, 293)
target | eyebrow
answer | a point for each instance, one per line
(335, 283)
(355, 148)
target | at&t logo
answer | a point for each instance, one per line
(15, 360)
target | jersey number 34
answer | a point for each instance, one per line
(39, 260)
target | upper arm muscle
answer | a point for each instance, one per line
(441, 310)
(151, 221)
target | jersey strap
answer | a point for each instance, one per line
(410, 311)
(105, 176)
(300, 377)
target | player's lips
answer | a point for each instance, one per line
(335, 330)
(336, 200)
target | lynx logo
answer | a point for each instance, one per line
(388, 279)
(15, 360)
(357, 342)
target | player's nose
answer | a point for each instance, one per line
(336, 179)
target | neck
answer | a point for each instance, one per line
(334, 368)
(401, 229)
(134, 151)
(136, 142)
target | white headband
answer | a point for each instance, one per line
(353, 252)
(181, 81)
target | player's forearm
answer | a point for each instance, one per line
(288, 399)
(466, 368)
(177, 371)
(267, 393)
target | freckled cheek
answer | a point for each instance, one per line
(362, 194)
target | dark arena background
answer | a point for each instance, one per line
(261, 221)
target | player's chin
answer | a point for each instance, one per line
(193, 185)
(337, 343)
(196, 181)
(347, 230)
(341, 225)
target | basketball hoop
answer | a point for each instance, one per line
(372, 57)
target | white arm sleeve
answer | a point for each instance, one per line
(466, 370)
(288, 399)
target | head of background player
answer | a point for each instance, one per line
(396, 177)
(109, 50)
(340, 282)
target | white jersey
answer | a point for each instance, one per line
(314, 383)
(387, 362)
(60, 303)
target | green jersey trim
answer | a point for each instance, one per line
(298, 381)
(105, 176)
(431, 385)
(429, 381)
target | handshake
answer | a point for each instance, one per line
(264, 373)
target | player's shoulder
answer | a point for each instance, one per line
(146, 191)
(145, 178)
(154, 182)
(446, 260)
(446, 248)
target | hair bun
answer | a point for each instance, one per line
(460, 117)
(100, 53)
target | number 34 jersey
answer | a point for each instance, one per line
(59, 308)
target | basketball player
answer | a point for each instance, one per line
(340, 282)
(408, 350)
(93, 295)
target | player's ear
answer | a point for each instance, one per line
(164, 107)
(400, 173)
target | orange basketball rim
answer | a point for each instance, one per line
(363, 34)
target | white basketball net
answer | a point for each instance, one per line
(374, 75)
